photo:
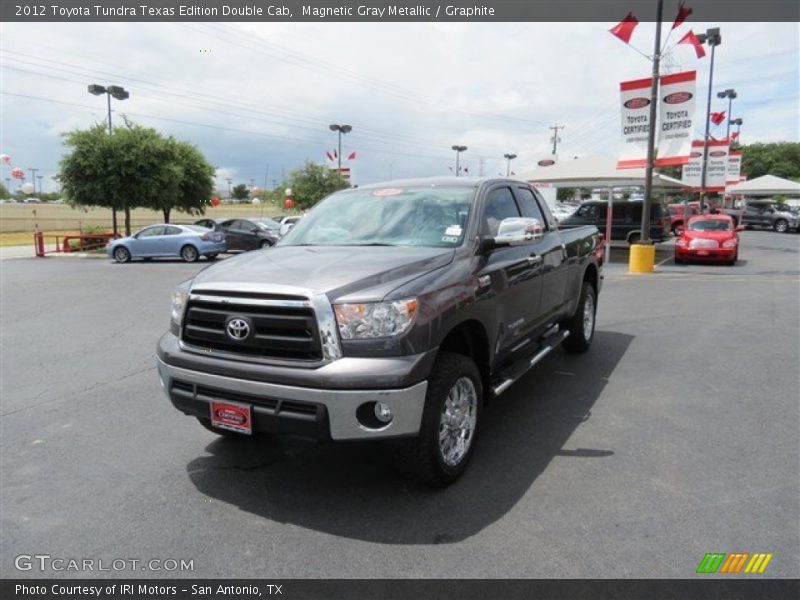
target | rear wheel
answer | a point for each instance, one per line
(189, 253)
(581, 324)
(676, 229)
(449, 423)
(265, 244)
(781, 226)
(121, 254)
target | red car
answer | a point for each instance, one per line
(676, 215)
(711, 238)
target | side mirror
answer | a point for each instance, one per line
(515, 231)
(739, 228)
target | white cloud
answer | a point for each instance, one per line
(253, 95)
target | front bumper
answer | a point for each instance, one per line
(710, 254)
(310, 412)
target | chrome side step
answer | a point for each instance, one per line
(549, 343)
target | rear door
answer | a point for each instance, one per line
(551, 250)
(235, 235)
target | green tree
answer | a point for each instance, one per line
(781, 159)
(135, 166)
(312, 182)
(240, 192)
(4, 192)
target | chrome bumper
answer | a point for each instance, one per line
(406, 404)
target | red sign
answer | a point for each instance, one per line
(231, 416)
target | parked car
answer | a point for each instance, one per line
(626, 219)
(210, 223)
(250, 234)
(188, 242)
(677, 215)
(392, 311)
(711, 238)
(287, 223)
(771, 214)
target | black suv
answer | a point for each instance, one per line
(626, 220)
(768, 213)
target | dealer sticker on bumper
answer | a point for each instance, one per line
(231, 416)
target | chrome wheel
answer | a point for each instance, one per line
(588, 316)
(458, 420)
(781, 226)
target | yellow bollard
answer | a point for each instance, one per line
(642, 258)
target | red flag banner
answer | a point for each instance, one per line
(330, 156)
(717, 117)
(634, 96)
(624, 29)
(351, 156)
(676, 118)
(691, 39)
(683, 13)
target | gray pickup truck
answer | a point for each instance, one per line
(392, 311)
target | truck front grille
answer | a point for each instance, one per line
(280, 329)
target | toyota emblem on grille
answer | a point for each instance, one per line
(238, 329)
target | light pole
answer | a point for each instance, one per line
(229, 180)
(713, 38)
(738, 122)
(340, 130)
(459, 150)
(39, 177)
(730, 94)
(644, 237)
(119, 93)
(509, 158)
(33, 177)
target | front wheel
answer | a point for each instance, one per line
(634, 238)
(581, 324)
(449, 423)
(265, 244)
(781, 226)
(189, 253)
(122, 254)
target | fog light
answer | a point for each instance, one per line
(382, 412)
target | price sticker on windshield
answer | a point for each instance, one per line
(384, 192)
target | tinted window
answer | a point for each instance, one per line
(500, 205)
(170, 230)
(527, 203)
(588, 212)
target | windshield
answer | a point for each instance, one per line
(710, 225)
(267, 224)
(397, 216)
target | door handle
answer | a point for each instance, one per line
(534, 260)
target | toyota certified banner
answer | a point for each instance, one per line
(635, 123)
(734, 167)
(716, 171)
(676, 118)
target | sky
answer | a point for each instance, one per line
(257, 98)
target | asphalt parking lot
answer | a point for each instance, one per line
(676, 435)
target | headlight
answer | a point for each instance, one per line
(731, 243)
(179, 297)
(376, 319)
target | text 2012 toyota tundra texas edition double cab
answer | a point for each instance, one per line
(391, 311)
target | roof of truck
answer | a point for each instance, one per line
(436, 181)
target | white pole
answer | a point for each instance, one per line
(609, 218)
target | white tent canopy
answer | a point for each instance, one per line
(766, 185)
(595, 172)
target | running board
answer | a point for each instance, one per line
(518, 370)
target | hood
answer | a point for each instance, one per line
(362, 272)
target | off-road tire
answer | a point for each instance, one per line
(579, 339)
(420, 458)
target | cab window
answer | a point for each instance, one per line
(500, 204)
